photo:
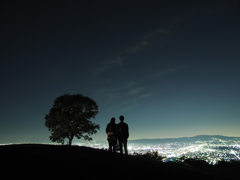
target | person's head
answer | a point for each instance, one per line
(112, 120)
(121, 118)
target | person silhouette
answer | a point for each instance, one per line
(122, 135)
(111, 133)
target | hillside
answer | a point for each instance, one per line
(41, 161)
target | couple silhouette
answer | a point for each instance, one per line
(117, 135)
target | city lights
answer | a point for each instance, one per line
(210, 151)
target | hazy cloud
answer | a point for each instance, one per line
(130, 83)
(109, 95)
(117, 61)
(143, 41)
(167, 71)
(135, 91)
(146, 40)
(144, 95)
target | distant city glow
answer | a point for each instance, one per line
(210, 151)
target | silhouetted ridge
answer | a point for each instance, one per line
(68, 162)
(185, 139)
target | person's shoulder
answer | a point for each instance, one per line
(120, 124)
(109, 124)
(123, 124)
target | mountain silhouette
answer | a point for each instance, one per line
(185, 139)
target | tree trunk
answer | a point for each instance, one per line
(70, 141)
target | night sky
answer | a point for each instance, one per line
(171, 67)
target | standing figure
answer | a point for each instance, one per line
(111, 133)
(122, 135)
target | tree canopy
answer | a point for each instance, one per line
(70, 117)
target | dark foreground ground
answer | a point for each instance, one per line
(33, 161)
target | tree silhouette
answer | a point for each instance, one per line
(70, 116)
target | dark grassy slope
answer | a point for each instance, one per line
(58, 162)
